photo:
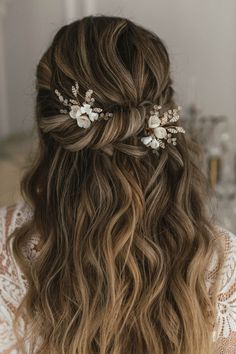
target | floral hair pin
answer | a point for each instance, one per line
(85, 114)
(160, 130)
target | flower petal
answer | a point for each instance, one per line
(160, 132)
(154, 144)
(154, 121)
(74, 111)
(146, 140)
(93, 116)
(83, 121)
(86, 108)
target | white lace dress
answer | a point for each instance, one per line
(13, 286)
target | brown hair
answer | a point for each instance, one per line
(126, 236)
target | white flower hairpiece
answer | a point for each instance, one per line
(160, 130)
(85, 113)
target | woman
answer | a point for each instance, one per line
(113, 250)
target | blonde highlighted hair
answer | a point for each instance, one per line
(126, 238)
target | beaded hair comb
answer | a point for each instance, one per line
(158, 132)
(85, 114)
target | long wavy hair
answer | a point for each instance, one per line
(126, 237)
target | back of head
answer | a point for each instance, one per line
(125, 235)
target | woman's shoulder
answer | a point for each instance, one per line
(12, 283)
(225, 325)
(13, 216)
(227, 240)
(227, 286)
(228, 269)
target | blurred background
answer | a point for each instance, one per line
(201, 39)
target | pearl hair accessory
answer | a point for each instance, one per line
(160, 130)
(85, 114)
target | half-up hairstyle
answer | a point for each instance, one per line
(126, 238)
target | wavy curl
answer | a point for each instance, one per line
(126, 238)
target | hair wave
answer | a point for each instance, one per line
(126, 238)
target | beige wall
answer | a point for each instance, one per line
(29, 25)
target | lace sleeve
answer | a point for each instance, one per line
(225, 328)
(12, 284)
